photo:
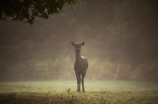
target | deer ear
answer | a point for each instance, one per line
(82, 44)
(72, 43)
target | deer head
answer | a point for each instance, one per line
(77, 47)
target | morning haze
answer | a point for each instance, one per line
(119, 40)
(120, 36)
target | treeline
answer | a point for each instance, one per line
(120, 43)
(62, 69)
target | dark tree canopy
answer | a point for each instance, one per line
(21, 10)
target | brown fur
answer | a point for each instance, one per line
(80, 66)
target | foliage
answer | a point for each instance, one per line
(19, 10)
(106, 70)
(147, 70)
(133, 29)
(62, 68)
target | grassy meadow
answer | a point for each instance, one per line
(97, 92)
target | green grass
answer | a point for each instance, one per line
(101, 92)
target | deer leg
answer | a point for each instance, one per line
(83, 75)
(77, 77)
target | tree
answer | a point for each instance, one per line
(28, 10)
(134, 30)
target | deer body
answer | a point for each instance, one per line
(80, 66)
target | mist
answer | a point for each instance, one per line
(120, 43)
(118, 39)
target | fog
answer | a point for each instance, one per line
(120, 43)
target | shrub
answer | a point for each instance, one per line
(63, 68)
(147, 71)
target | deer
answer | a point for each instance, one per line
(80, 65)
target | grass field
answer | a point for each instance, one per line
(97, 92)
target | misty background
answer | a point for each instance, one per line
(121, 43)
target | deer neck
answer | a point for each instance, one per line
(78, 60)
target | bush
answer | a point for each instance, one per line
(147, 71)
(63, 68)
(106, 70)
